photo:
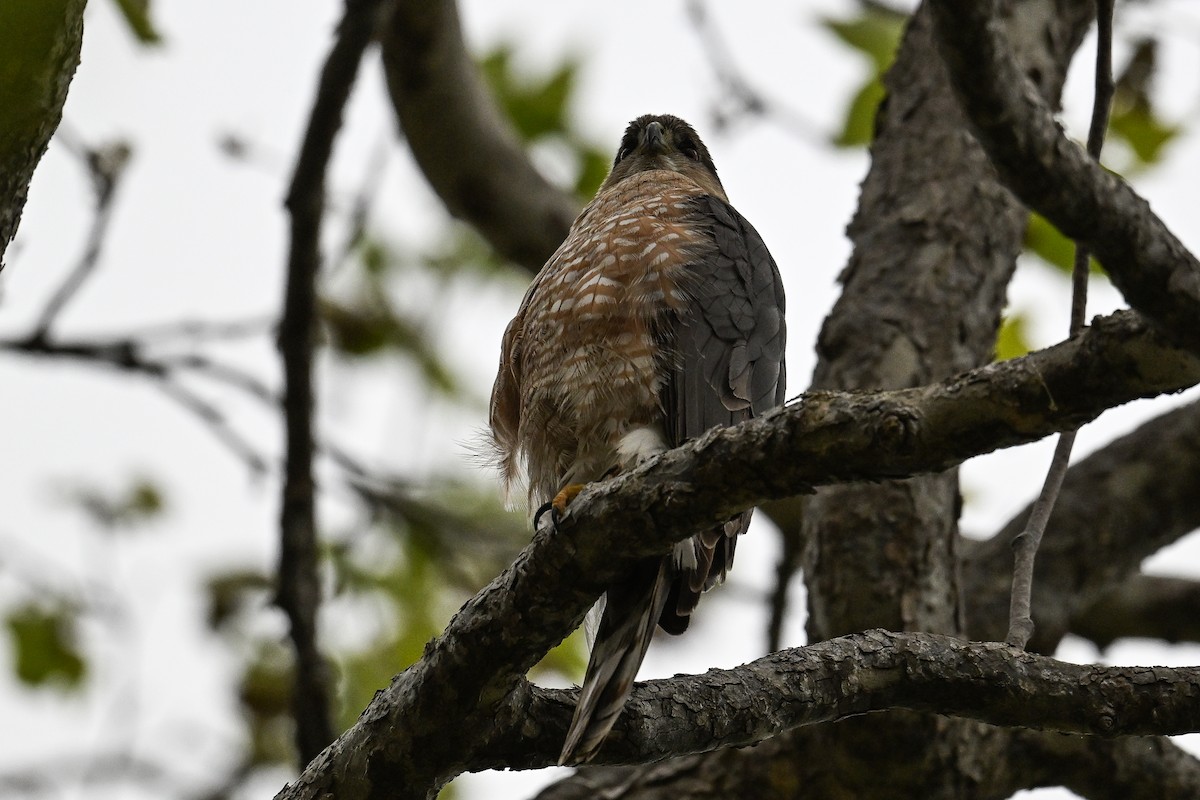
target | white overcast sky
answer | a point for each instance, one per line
(197, 236)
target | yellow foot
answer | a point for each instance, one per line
(564, 497)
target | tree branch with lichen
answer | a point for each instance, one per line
(468, 673)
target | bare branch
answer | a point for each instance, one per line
(214, 419)
(299, 585)
(1127, 768)
(1118, 506)
(832, 680)
(1052, 174)
(128, 355)
(1025, 545)
(742, 100)
(873, 671)
(461, 141)
(1145, 606)
(105, 165)
(467, 672)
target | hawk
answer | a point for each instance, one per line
(660, 317)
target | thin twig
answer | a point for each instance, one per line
(364, 201)
(128, 354)
(216, 422)
(299, 585)
(1025, 544)
(743, 99)
(105, 166)
(205, 330)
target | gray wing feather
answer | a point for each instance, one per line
(727, 366)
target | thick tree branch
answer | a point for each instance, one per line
(299, 586)
(1127, 768)
(1053, 175)
(39, 51)
(838, 678)
(1118, 506)
(482, 656)
(1145, 606)
(460, 139)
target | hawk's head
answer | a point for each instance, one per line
(662, 141)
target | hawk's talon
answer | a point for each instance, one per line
(558, 506)
(564, 498)
(541, 512)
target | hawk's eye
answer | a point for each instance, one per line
(687, 146)
(628, 145)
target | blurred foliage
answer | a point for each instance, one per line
(42, 625)
(361, 320)
(265, 695)
(44, 648)
(1012, 340)
(875, 33)
(422, 549)
(112, 510)
(536, 106)
(137, 17)
(1048, 243)
(400, 577)
(449, 544)
(1135, 120)
(539, 108)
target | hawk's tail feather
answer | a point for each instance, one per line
(631, 611)
(714, 557)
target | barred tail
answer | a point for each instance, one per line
(631, 612)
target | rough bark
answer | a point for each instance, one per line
(852, 676)
(936, 238)
(39, 51)
(1053, 174)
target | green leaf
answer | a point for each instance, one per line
(874, 33)
(375, 257)
(1143, 131)
(44, 649)
(594, 164)
(1134, 119)
(859, 127)
(356, 331)
(137, 16)
(1012, 340)
(266, 695)
(536, 106)
(1047, 243)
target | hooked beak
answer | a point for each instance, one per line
(655, 142)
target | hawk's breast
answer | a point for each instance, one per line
(593, 360)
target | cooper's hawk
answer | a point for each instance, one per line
(659, 317)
